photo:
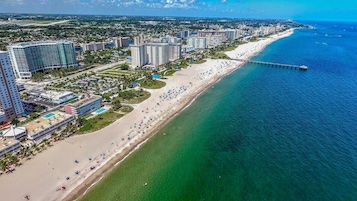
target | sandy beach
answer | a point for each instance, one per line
(43, 176)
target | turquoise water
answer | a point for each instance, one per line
(156, 76)
(47, 116)
(261, 133)
(100, 111)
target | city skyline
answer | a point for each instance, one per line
(276, 9)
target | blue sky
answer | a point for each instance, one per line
(336, 10)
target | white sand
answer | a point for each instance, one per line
(46, 172)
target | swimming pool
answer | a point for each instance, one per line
(100, 111)
(47, 116)
(156, 76)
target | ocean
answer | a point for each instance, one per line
(261, 133)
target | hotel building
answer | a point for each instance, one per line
(84, 106)
(45, 125)
(10, 101)
(31, 57)
(9, 146)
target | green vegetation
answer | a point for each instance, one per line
(168, 72)
(230, 48)
(124, 67)
(103, 120)
(219, 55)
(132, 96)
(201, 61)
(15, 122)
(151, 84)
(38, 77)
(117, 71)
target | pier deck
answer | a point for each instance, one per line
(273, 64)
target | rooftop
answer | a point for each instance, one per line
(84, 101)
(7, 143)
(36, 43)
(46, 121)
(10, 132)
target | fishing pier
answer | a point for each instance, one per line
(288, 66)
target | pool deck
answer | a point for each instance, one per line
(42, 123)
(105, 110)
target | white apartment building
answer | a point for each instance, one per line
(93, 46)
(121, 42)
(197, 42)
(232, 34)
(213, 41)
(169, 40)
(157, 53)
(174, 51)
(138, 55)
(10, 101)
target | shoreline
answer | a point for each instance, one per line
(81, 190)
(43, 174)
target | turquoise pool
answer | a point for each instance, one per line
(47, 116)
(156, 76)
(100, 111)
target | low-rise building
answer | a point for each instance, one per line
(84, 106)
(14, 132)
(187, 49)
(9, 146)
(21, 87)
(54, 96)
(45, 125)
(2, 117)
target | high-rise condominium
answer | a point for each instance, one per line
(121, 42)
(30, 57)
(155, 53)
(10, 101)
(138, 55)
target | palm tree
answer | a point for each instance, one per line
(4, 164)
(15, 122)
(13, 160)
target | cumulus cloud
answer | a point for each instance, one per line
(94, 4)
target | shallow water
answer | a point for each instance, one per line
(261, 133)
